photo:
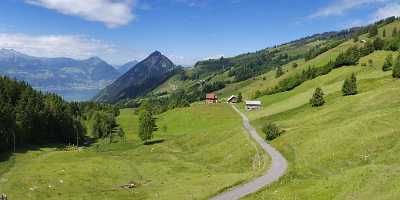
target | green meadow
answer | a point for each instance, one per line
(346, 149)
(197, 152)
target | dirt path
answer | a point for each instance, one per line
(277, 169)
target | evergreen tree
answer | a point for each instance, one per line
(396, 68)
(240, 98)
(373, 31)
(271, 131)
(318, 98)
(384, 33)
(147, 125)
(355, 37)
(279, 72)
(350, 86)
(388, 63)
(394, 33)
(378, 43)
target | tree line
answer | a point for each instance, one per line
(347, 58)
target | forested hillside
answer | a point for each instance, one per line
(29, 117)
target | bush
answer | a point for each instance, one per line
(350, 86)
(388, 63)
(271, 131)
(396, 68)
(317, 99)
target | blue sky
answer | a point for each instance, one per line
(185, 30)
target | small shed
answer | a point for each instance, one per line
(233, 99)
(253, 105)
(211, 98)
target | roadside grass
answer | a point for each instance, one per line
(202, 150)
(346, 149)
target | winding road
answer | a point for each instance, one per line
(277, 169)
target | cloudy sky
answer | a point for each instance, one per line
(185, 30)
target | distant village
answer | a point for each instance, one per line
(212, 98)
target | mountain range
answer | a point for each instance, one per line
(71, 78)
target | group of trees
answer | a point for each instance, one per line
(320, 49)
(392, 64)
(147, 122)
(28, 117)
(349, 88)
(347, 58)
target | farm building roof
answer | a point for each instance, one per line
(253, 103)
(233, 96)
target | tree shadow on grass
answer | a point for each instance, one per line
(4, 156)
(154, 142)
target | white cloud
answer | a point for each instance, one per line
(340, 7)
(113, 13)
(389, 10)
(73, 46)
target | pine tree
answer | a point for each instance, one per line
(350, 86)
(394, 33)
(396, 68)
(317, 98)
(240, 98)
(384, 33)
(147, 125)
(355, 37)
(388, 63)
(279, 72)
(378, 43)
(373, 31)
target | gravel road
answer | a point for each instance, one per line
(277, 169)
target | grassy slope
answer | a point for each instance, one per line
(249, 87)
(205, 150)
(347, 149)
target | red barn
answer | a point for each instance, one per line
(211, 98)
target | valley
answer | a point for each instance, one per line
(150, 134)
(194, 160)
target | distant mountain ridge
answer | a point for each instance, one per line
(57, 74)
(140, 79)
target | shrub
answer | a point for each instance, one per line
(373, 31)
(318, 98)
(271, 131)
(279, 72)
(240, 98)
(388, 63)
(396, 68)
(350, 86)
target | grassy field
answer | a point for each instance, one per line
(204, 151)
(347, 149)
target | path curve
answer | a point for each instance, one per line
(277, 169)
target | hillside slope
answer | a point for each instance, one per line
(345, 149)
